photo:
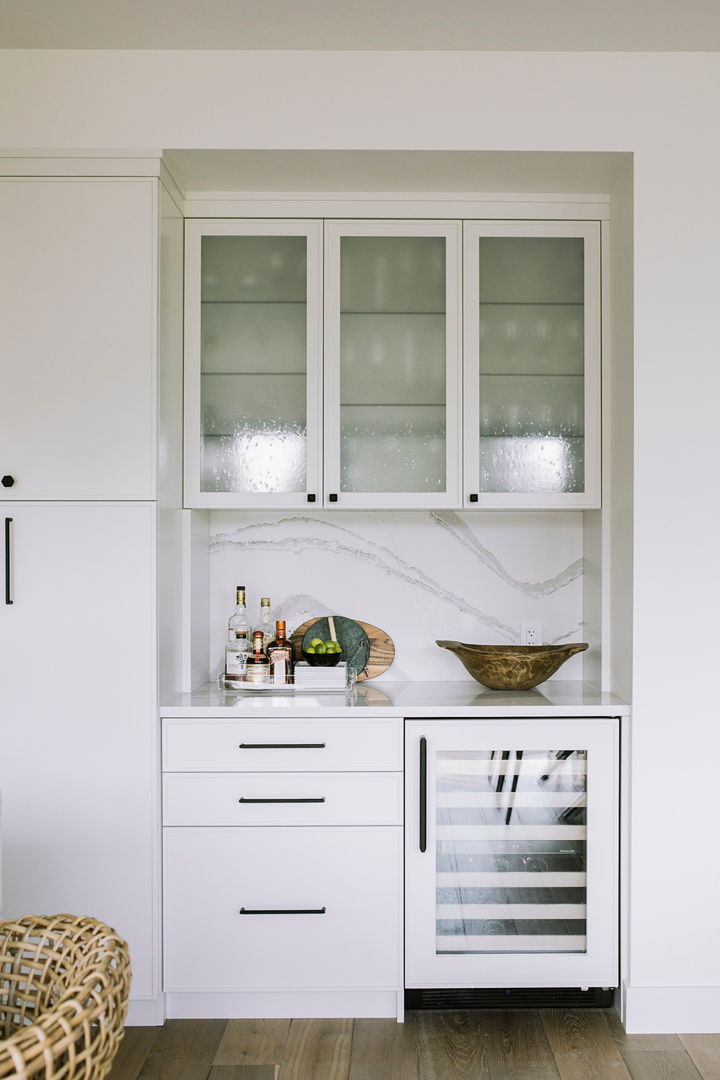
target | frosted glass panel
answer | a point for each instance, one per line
(511, 867)
(392, 449)
(392, 364)
(531, 361)
(254, 364)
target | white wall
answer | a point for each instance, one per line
(660, 107)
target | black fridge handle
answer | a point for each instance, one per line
(423, 794)
(8, 572)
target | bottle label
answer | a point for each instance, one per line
(257, 673)
(235, 662)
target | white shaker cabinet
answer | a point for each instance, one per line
(322, 374)
(77, 307)
(531, 364)
(282, 880)
(392, 364)
(253, 356)
(79, 737)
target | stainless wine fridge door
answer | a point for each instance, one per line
(511, 858)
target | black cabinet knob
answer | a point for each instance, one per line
(8, 481)
(311, 498)
(332, 498)
(473, 497)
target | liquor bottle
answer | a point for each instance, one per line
(238, 625)
(265, 624)
(238, 643)
(257, 668)
(280, 657)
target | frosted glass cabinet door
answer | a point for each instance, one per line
(252, 375)
(532, 364)
(392, 308)
(511, 853)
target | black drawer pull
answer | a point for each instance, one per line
(282, 745)
(244, 800)
(282, 911)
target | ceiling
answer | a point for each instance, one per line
(564, 25)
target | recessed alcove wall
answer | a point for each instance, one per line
(470, 575)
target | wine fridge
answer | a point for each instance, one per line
(512, 853)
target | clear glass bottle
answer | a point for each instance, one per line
(266, 621)
(237, 646)
(257, 669)
(280, 657)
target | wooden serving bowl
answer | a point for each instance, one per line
(511, 667)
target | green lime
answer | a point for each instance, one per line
(310, 649)
(316, 641)
(320, 648)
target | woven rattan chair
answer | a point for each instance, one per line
(64, 984)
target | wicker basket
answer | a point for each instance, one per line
(64, 985)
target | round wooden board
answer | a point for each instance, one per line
(382, 648)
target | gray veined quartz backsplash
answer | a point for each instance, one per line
(417, 575)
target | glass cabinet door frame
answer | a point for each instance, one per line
(599, 964)
(589, 498)
(195, 230)
(335, 230)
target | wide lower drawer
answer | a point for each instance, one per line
(282, 798)
(279, 907)
(191, 745)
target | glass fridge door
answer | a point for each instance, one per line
(512, 872)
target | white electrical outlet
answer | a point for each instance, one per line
(530, 632)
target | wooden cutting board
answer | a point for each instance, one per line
(382, 647)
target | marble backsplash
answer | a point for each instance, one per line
(417, 575)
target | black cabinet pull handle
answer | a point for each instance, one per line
(244, 800)
(282, 911)
(311, 498)
(282, 746)
(333, 497)
(423, 794)
(7, 481)
(8, 591)
(473, 497)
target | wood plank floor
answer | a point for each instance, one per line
(492, 1044)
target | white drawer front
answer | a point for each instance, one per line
(282, 799)
(281, 745)
(320, 908)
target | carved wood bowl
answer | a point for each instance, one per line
(511, 667)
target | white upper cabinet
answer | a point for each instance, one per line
(532, 364)
(252, 363)
(78, 273)
(392, 363)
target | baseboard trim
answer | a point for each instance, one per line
(145, 1012)
(662, 1010)
(269, 1004)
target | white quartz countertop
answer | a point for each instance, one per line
(462, 698)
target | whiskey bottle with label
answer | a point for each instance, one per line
(238, 641)
(280, 657)
(257, 668)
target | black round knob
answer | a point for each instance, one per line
(8, 481)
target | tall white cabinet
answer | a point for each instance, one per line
(78, 632)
